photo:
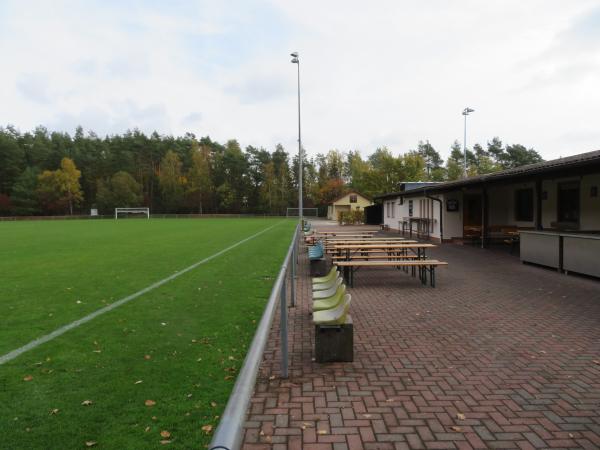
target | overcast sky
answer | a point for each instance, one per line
(373, 73)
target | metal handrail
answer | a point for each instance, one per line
(228, 435)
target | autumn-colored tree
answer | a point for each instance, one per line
(60, 189)
(267, 190)
(332, 190)
(171, 181)
(199, 181)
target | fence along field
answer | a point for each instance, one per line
(163, 363)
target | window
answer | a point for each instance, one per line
(568, 202)
(393, 212)
(353, 198)
(410, 208)
(524, 205)
(387, 208)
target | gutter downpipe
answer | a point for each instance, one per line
(441, 215)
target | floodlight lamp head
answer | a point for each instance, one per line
(294, 54)
(466, 111)
(295, 60)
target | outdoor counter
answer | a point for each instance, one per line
(564, 251)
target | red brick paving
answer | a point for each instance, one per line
(515, 348)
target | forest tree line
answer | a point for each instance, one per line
(45, 173)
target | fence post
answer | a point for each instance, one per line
(283, 327)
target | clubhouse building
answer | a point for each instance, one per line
(553, 205)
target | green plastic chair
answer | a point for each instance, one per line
(332, 275)
(324, 286)
(328, 292)
(336, 316)
(330, 302)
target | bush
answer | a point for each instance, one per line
(354, 217)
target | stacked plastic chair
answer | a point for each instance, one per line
(334, 329)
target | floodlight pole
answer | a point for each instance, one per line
(465, 113)
(296, 60)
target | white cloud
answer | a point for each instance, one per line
(382, 73)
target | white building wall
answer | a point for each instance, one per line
(390, 213)
(453, 220)
(396, 210)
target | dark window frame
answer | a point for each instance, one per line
(353, 198)
(562, 212)
(524, 205)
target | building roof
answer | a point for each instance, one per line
(568, 162)
(351, 192)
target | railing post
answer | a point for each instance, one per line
(283, 328)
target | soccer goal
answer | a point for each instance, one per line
(125, 212)
(307, 212)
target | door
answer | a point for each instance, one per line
(472, 215)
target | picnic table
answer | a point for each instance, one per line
(334, 233)
(329, 244)
(352, 256)
(343, 236)
(396, 247)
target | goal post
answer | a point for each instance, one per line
(306, 212)
(127, 211)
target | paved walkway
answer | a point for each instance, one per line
(498, 355)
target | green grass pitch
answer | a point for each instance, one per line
(163, 363)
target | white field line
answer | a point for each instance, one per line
(62, 330)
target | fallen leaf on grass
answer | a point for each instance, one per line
(54, 411)
(138, 382)
(165, 441)
(149, 403)
(460, 416)
(457, 429)
(28, 378)
(228, 377)
(147, 429)
(213, 404)
(207, 428)
(146, 357)
(90, 443)
(165, 434)
(86, 403)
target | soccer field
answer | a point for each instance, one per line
(156, 368)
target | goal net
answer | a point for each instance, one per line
(307, 212)
(126, 212)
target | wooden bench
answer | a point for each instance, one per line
(424, 266)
